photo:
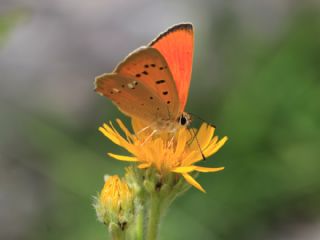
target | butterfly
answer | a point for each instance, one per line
(152, 83)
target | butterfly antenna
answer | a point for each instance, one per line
(201, 119)
(195, 137)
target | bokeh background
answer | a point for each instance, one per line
(256, 76)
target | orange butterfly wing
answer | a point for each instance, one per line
(142, 87)
(176, 45)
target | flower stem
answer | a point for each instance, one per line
(117, 233)
(139, 224)
(154, 217)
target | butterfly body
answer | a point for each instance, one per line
(152, 83)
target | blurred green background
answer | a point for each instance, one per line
(256, 76)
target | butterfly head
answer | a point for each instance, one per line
(170, 125)
(184, 119)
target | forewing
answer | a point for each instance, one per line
(176, 45)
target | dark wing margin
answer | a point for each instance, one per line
(181, 26)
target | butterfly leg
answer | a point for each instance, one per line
(143, 129)
(171, 142)
(149, 137)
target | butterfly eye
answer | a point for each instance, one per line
(184, 119)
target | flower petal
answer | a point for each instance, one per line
(181, 143)
(123, 158)
(184, 169)
(214, 148)
(144, 165)
(115, 137)
(112, 130)
(193, 182)
(140, 129)
(192, 157)
(109, 135)
(214, 140)
(207, 169)
(204, 135)
(124, 129)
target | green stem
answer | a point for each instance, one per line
(139, 224)
(117, 233)
(154, 217)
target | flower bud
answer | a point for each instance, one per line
(115, 204)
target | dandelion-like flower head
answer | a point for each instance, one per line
(167, 152)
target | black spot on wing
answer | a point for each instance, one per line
(160, 81)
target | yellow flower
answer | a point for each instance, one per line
(168, 152)
(114, 205)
